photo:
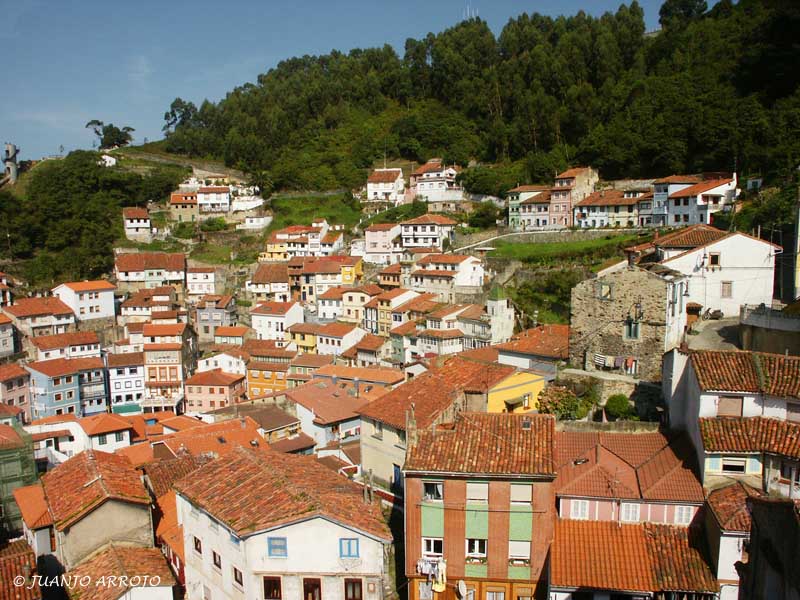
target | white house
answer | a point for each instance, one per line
(386, 185)
(126, 382)
(145, 270)
(699, 202)
(427, 231)
(271, 319)
(136, 222)
(435, 182)
(335, 338)
(214, 199)
(380, 246)
(270, 282)
(88, 299)
(107, 432)
(74, 344)
(329, 304)
(447, 274)
(200, 281)
(230, 361)
(725, 274)
(305, 531)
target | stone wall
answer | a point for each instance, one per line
(597, 324)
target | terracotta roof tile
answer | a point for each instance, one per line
(529, 188)
(729, 506)
(218, 438)
(127, 563)
(168, 530)
(385, 175)
(608, 198)
(573, 172)
(440, 273)
(363, 374)
(215, 377)
(750, 435)
(382, 226)
(162, 474)
(679, 179)
(33, 506)
(34, 307)
(443, 259)
(699, 188)
(294, 443)
(183, 198)
(104, 423)
(272, 308)
(18, 559)
(605, 555)
(332, 402)
(754, 372)
(434, 391)
(135, 212)
(127, 359)
(540, 198)
(336, 329)
(271, 273)
(312, 360)
(488, 444)
(250, 491)
(430, 219)
(12, 371)
(141, 261)
(82, 483)
(551, 341)
(58, 367)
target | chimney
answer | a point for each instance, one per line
(412, 435)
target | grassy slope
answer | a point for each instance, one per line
(597, 250)
(301, 210)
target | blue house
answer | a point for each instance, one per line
(68, 386)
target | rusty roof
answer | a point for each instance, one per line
(744, 371)
(147, 261)
(34, 307)
(33, 506)
(748, 435)
(17, 559)
(59, 367)
(729, 506)
(271, 273)
(551, 341)
(699, 188)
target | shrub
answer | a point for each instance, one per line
(563, 403)
(215, 224)
(618, 407)
(184, 230)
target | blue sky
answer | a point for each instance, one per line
(68, 62)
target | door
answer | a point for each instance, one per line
(312, 589)
(352, 589)
(397, 481)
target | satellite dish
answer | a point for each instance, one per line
(462, 588)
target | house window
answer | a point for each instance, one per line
(119, 436)
(734, 465)
(378, 433)
(276, 547)
(790, 472)
(101, 439)
(352, 589)
(631, 329)
(604, 291)
(476, 548)
(237, 577)
(727, 289)
(579, 509)
(519, 551)
(272, 588)
(730, 406)
(524, 594)
(793, 411)
(495, 594)
(629, 512)
(348, 547)
(425, 590)
(432, 546)
(217, 559)
(433, 490)
(713, 259)
(521, 494)
(683, 515)
(477, 492)
(198, 546)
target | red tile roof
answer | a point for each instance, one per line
(214, 189)
(183, 198)
(17, 559)
(135, 212)
(649, 466)
(750, 435)
(162, 474)
(443, 259)
(422, 273)
(434, 391)
(729, 506)
(385, 175)
(78, 486)
(699, 188)
(34, 307)
(540, 198)
(33, 506)
(332, 402)
(271, 273)
(391, 269)
(294, 443)
(334, 293)
(382, 226)
(59, 367)
(90, 286)
(551, 341)
(128, 563)
(168, 530)
(441, 334)
(215, 377)
(166, 329)
(312, 360)
(573, 172)
(608, 198)
(679, 179)
(141, 261)
(231, 331)
(363, 374)
(62, 340)
(104, 423)
(433, 165)
(12, 371)
(605, 555)
(529, 188)
(336, 329)
(250, 491)
(742, 371)
(430, 219)
(272, 308)
(486, 444)
(218, 438)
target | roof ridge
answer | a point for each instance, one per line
(761, 374)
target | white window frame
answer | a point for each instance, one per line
(579, 509)
(475, 547)
(629, 512)
(429, 547)
(521, 494)
(683, 515)
(439, 491)
(477, 492)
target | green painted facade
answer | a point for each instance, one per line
(520, 523)
(476, 522)
(432, 519)
(476, 571)
(519, 572)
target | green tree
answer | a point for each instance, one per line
(676, 13)
(485, 215)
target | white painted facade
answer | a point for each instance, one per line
(329, 308)
(387, 191)
(200, 282)
(126, 385)
(312, 552)
(379, 248)
(728, 273)
(337, 344)
(215, 199)
(701, 208)
(273, 326)
(229, 363)
(69, 351)
(89, 304)
(425, 235)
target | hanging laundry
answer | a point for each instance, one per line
(619, 361)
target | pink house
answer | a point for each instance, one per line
(15, 390)
(210, 390)
(381, 247)
(626, 477)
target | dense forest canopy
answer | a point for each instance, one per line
(714, 90)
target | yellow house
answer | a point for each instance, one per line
(275, 250)
(353, 272)
(304, 336)
(517, 393)
(266, 377)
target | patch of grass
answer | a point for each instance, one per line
(301, 210)
(588, 251)
(403, 212)
(215, 254)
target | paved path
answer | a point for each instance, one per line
(715, 335)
